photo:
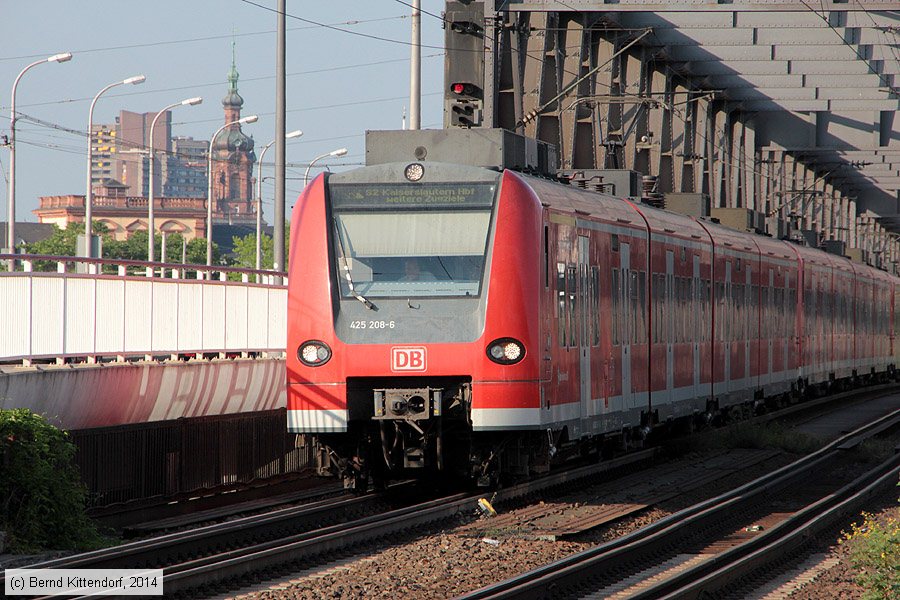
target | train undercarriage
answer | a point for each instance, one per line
(424, 431)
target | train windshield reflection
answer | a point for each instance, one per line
(404, 254)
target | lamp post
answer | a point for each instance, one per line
(335, 153)
(151, 250)
(415, 67)
(293, 134)
(209, 190)
(89, 196)
(11, 197)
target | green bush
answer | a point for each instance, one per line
(874, 547)
(42, 499)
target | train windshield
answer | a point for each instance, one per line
(406, 240)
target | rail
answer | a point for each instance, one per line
(66, 308)
(578, 574)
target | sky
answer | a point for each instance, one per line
(347, 72)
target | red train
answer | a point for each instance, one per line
(465, 319)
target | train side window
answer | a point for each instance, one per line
(691, 284)
(642, 307)
(701, 312)
(573, 288)
(695, 310)
(546, 257)
(720, 311)
(632, 325)
(678, 312)
(705, 310)
(763, 311)
(656, 298)
(729, 311)
(779, 304)
(614, 299)
(595, 306)
(561, 303)
(674, 309)
(736, 311)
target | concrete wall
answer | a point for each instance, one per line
(82, 396)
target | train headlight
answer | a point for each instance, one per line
(314, 353)
(506, 351)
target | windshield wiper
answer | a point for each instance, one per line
(347, 276)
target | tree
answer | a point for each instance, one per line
(244, 250)
(196, 252)
(62, 242)
(132, 248)
(42, 499)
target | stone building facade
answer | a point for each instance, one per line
(120, 174)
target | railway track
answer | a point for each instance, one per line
(657, 561)
(164, 550)
(247, 547)
(305, 549)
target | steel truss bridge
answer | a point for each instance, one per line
(783, 109)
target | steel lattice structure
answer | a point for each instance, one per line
(783, 107)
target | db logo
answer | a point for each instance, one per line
(408, 359)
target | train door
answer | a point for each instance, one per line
(669, 325)
(584, 326)
(627, 322)
(698, 324)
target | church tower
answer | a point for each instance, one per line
(233, 159)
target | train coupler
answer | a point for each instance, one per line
(407, 404)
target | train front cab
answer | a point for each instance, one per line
(394, 371)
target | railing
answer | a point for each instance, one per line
(63, 308)
(198, 204)
(145, 460)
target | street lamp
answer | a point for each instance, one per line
(89, 196)
(335, 153)
(11, 197)
(209, 191)
(294, 134)
(151, 250)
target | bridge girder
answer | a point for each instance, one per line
(743, 101)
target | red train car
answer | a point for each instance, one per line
(458, 318)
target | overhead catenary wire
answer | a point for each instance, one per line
(347, 31)
(219, 83)
(201, 39)
(24, 133)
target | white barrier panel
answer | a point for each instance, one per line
(56, 315)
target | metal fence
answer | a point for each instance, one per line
(98, 308)
(147, 460)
